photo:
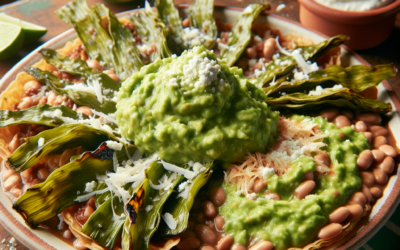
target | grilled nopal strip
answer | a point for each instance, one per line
(170, 16)
(152, 32)
(240, 35)
(78, 67)
(180, 207)
(56, 141)
(42, 114)
(342, 98)
(81, 98)
(142, 222)
(356, 77)
(309, 53)
(202, 18)
(115, 46)
(61, 189)
(103, 226)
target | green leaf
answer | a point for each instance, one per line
(82, 98)
(56, 141)
(169, 14)
(180, 207)
(61, 189)
(309, 53)
(342, 98)
(152, 32)
(78, 67)
(202, 18)
(356, 77)
(115, 47)
(42, 114)
(102, 226)
(240, 35)
(144, 223)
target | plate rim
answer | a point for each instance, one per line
(32, 241)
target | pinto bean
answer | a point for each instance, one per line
(43, 173)
(339, 215)
(365, 159)
(27, 175)
(387, 165)
(388, 150)
(209, 209)
(329, 114)
(189, 244)
(367, 193)
(85, 110)
(378, 130)
(66, 156)
(358, 198)
(67, 234)
(238, 247)
(258, 185)
(88, 212)
(272, 195)
(12, 181)
(342, 121)
(14, 144)
(205, 234)
(324, 158)
(380, 176)
(355, 212)
(225, 243)
(94, 64)
(360, 126)
(380, 141)
(304, 189)
(52, 162)
(79, 244)
(111, 74)
(25, 103)
(218, 196)
(185, 23)
(376, 192)
(251, 52)
(348, 114)
(219, 222)
(269, 48)
(263, 245)
(330, 231)
(51, 98)
(370, 118)
(8, 173)
(369, 137)
(367, 178)
(16, 192)
(200, 218)
(378, 155)
(33, 84)
(309, 175)
(208, 248)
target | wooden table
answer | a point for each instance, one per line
(41, 12)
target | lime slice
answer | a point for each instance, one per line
(11, 39)
(32, 31)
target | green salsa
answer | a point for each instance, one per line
(291, 222)
(194, 108)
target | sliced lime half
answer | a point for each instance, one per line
(11, 39)
(32, 31)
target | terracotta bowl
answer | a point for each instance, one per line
(366, 29)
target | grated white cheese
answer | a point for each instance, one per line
(114, 145)
(90, 186)
(319, 90)
(170, 220)
(186, 173)
(57, 113)
(148, 208)
(280, 7)
(41, 141)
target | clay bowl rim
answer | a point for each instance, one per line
(354, 17)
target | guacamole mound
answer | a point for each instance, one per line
(194, 108)
(291, 222)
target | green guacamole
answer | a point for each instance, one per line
(194, 108)
(291, 222)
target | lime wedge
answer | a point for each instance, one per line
(32, 31)
(11, 39)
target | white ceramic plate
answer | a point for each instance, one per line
(42, 239)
